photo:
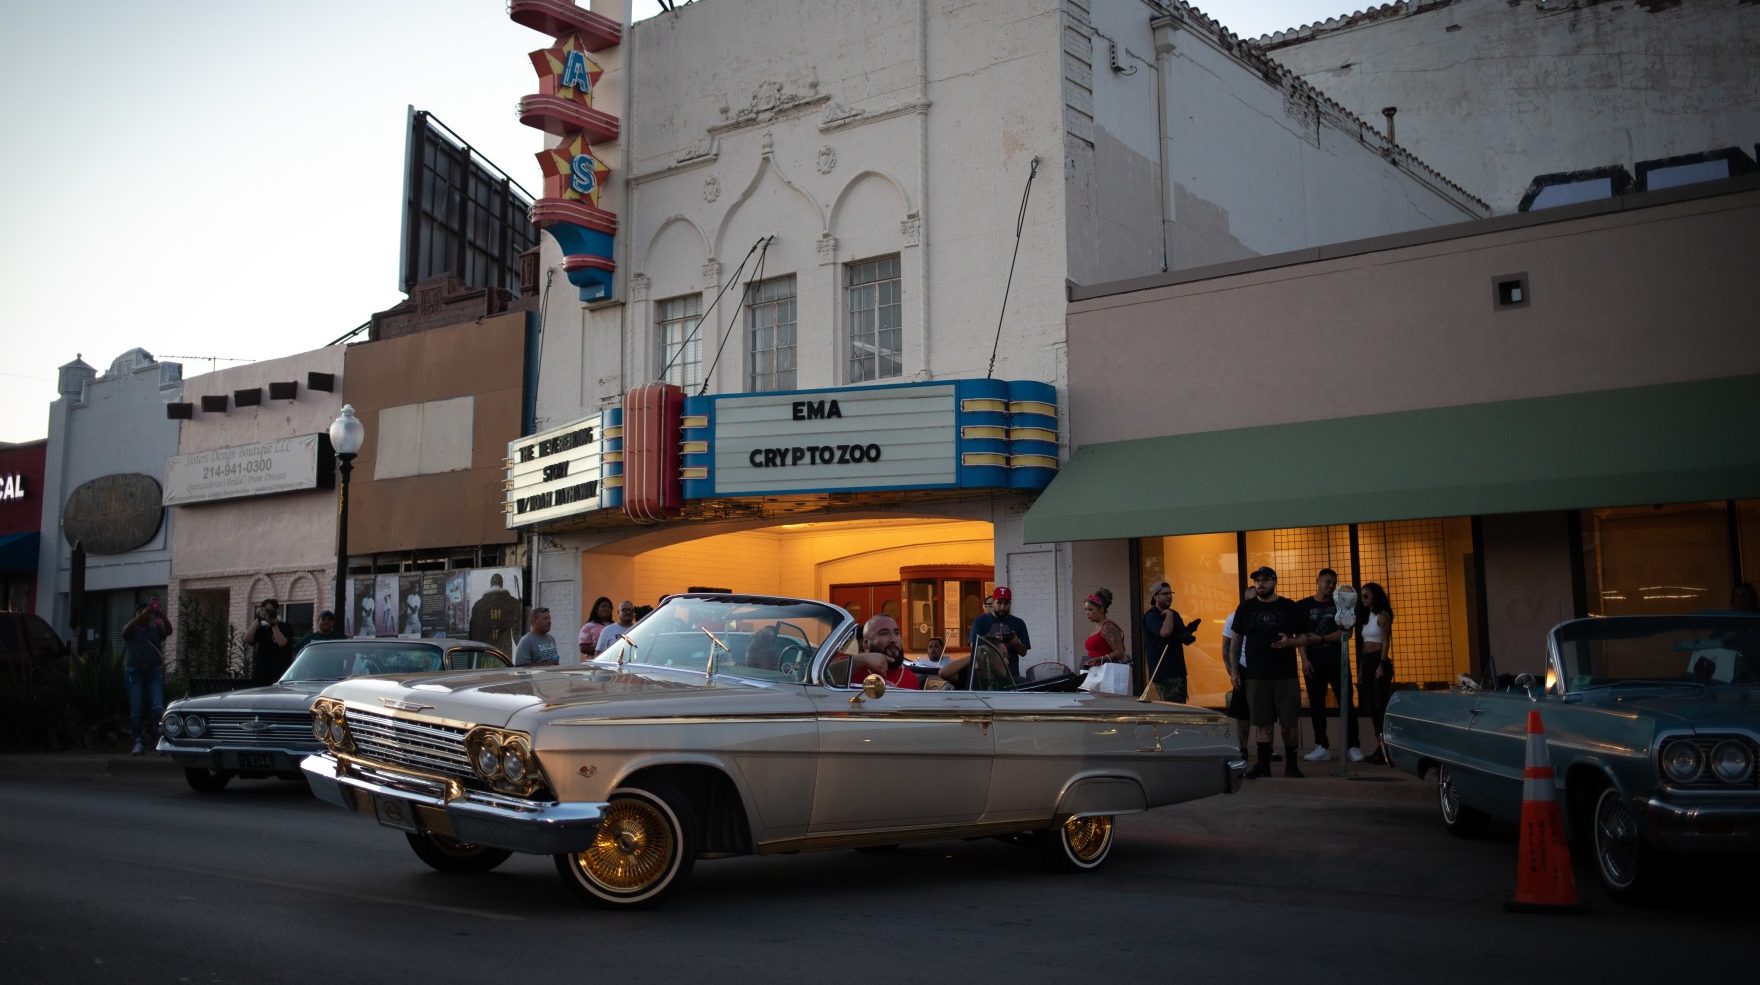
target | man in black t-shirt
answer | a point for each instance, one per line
(1007, 631)
(1321, 664)
(272, 650)
(1269, 628)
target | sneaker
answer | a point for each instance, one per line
(1258, 770)
(1356, 754)
(1291, 769)
(137, 748)
(1320, 755)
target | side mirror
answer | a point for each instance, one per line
(872, 687)
(1468, 684)
(1526, 683)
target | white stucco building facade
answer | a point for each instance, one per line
(930, 147)
(107, 433)
(1495, 93)
(255, 509)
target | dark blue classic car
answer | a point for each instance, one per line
(1653, 726)
(267, 731)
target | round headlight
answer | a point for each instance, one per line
(339, 730)
(194, 725)
(488, 759)
(172, 726)
(321, 724)
(1681, 761)
(513, 764)
(1731, 762)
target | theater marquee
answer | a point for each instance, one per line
(555, 473)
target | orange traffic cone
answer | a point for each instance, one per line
(1544, 882)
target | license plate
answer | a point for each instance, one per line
(395, 813)
(256, 760)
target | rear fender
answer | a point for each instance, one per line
(1088, 795)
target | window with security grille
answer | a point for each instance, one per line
(681, 342)
(875, 342)
(770, 331)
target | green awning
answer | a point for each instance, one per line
(1677, 442)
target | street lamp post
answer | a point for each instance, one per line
(346, 435)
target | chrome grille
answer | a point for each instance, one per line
(279, 728)
(413, 745)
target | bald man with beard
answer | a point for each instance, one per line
(884, 656)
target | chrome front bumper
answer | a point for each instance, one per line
(236, 759)
(415, 803)
(1681, 827)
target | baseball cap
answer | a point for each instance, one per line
(326, 614)
(1002, 594)
(1262, 571)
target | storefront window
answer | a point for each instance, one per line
(1748, 534)
(1656, 560)
(1426, 566)
(1205, 574)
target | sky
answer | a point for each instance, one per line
(217, 182)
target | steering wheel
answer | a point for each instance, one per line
(792, 658)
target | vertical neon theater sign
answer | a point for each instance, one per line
(563, 107)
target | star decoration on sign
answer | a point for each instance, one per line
(572, 170)
(566, 71)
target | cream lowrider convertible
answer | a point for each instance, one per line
(723, 725)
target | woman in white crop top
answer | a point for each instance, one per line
(1374, 668)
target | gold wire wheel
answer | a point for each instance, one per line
(633, 848)
(1087, 836)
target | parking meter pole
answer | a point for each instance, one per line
(1345, 601)
(1344, 701)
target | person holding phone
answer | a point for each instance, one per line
(274, 651)
(1003, 628)
(143, 670)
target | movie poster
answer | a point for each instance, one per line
(495, 608)
(360, 606)
(409, 596)
(385, 612)
(480, 604)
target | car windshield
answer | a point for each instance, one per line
(333, 660)
(751, 636)
(1709, 651)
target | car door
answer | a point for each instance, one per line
(904, 759)
(1497, 747)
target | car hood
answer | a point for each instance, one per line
(494, 697)
(294, 696)
(1715, 707)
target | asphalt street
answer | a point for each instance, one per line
(113, 871)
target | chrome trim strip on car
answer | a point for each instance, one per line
(490, 820)
(885, 836)
(914, 715)
(784, 717)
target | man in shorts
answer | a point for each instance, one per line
(1268, 628)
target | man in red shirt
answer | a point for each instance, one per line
(884, 656)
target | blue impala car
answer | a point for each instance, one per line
(1653, 727)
